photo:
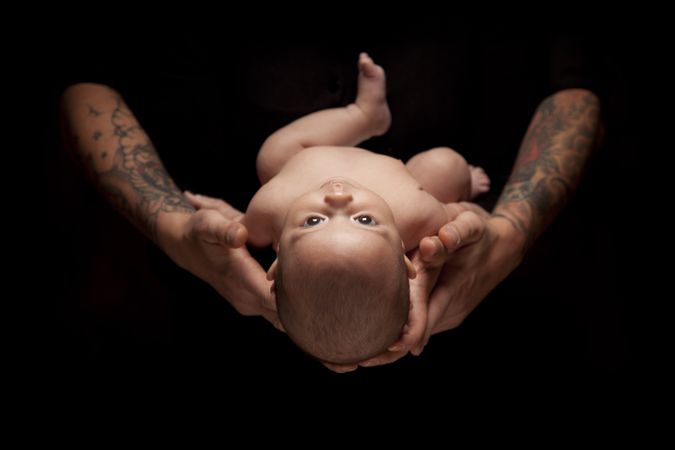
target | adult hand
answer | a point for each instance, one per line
(471, 255)
(211, 244)
(477, 251)
(415, 328)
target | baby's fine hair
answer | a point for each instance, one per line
(340, 314)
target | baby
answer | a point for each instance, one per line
(341, 220)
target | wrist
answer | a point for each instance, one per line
(511, 240)
(171, 232)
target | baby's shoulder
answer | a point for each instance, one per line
(266, 198)
(418, 214)
(263, 215)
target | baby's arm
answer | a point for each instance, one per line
(444, 173)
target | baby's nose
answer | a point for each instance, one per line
(338, 199)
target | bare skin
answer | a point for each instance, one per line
(470, 255)
(317, 186)
(551, 161)
(302, 156)
(104, 136)
(476, 250)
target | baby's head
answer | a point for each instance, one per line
(341, 274)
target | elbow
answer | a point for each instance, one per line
(79, 100)
(577, 95)
(580, 103)
(77, 94)
(76, 105)
(587, 108)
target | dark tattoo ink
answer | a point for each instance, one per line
(93, 111)
(137, 182)
(550, 162)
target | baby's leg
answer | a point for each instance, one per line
(368, 116)
(445, 174)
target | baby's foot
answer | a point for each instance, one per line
(372, 95)
(480, 183)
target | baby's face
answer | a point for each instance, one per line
(339, 215)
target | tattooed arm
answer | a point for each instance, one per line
(120, 160)
(550, 163)
(476, 250)
(486, 248)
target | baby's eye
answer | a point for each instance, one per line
(365, 219)
(313, 221)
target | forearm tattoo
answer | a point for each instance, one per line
(550, 162)
(135, 181)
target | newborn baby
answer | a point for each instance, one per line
(341, 220)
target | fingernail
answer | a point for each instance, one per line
(188, 192)
(395, 348)
(451, 230)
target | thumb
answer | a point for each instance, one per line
(432, 252)
(235, 235)
(467, 228)
(216, 229)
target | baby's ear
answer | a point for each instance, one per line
(272, 271)
(412, 273)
